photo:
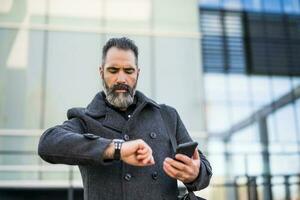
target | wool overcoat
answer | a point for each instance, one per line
(83, 138)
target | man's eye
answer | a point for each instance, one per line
(113, 71)
(129, 71)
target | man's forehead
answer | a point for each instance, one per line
(120, 58)
(119, 67)
(117, 53)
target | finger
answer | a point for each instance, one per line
(183, 158)
(173, 171)
(167, 171)
(142, 157)
(176, 164)
(184, 169)
(145, 150)
(147, 160)
(152, 161)
(142, 150)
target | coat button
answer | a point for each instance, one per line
(153, 135)
(126, 137)
(127, 177)
(155, 175)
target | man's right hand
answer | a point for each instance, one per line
(137, 153)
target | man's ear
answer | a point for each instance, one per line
(101, 71)
(138, 71)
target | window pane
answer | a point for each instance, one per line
(287, 126)
(210, 3)
(291, 6)
(232, 4)
(252, 5)
(272, 5)
(217, 117)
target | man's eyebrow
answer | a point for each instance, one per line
(129, 67)
(112, 67)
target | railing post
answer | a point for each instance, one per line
(264, 140)
(236, 189)
(70, 189)
(252, 188)
(287, 187)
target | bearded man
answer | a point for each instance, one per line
(120, 141)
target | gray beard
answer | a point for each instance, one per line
(119, 100)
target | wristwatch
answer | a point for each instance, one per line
(118, 144)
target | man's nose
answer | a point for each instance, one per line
(121, 77)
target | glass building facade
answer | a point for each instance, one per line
(49, 57)
(250, 51)
(230, 67)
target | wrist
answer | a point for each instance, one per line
(109, 152)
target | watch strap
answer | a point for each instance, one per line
(118, 144)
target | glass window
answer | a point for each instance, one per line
(286, 124)
(117, 15)
(215, 87)
(252, 5)
(280, 86)
(289, 166)
(218, 118)
(297, 118)
(211, 23)
(238, 87)
(296, 81)
(291, 6)
(71, 56)
(222, 43)
(232, 4)
(240, 112)
(255, 164)
(260, 91)
(247, 136)
(239, 165)
(13, 11)
(210, 3)
(21, 63)
(181, 73)
(272, 128)
(272, 5)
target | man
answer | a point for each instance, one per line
(120, 141)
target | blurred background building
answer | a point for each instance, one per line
(230, 67)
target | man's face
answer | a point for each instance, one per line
(119, 75)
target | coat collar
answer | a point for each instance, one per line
(98, 107)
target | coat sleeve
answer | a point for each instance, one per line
(70, 144)
(205, 172)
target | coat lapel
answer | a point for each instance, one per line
(113, 120)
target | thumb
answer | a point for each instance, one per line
(196, 155)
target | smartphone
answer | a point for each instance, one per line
(187, 148)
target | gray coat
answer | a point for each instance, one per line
(82, 139)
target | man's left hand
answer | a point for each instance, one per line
(182, 167)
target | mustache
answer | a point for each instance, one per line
(122, 86)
